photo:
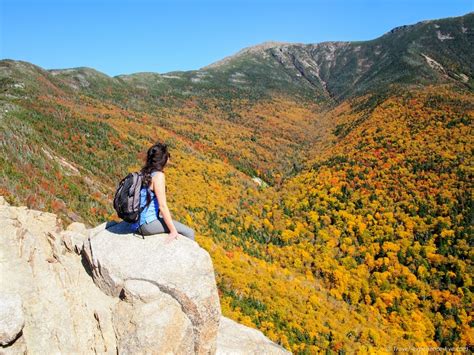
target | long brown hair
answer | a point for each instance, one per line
(156, 159)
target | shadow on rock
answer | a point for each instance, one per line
(121, 228)
(86, 264)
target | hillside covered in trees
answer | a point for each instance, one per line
(331, 183)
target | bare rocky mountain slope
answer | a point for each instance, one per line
(428, 52)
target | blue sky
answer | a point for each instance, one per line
(121, 37)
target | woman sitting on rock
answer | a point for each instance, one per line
(153, 198)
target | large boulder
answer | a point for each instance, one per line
(159, 325)
(106, 290)
(63, 310)
(12, 319)
(74, 236)
(234, 338)
(146, 269)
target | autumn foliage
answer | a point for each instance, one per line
(360, 238)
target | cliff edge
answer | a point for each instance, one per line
(106, 290)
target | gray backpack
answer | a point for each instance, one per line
(127, 197)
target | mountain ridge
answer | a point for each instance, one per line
(265, 44)
(430, 51)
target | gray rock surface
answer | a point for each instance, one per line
(73, 241)
(105, 290)
(234, 338)
(159, 324)
(74, 236)
(180, 269)
(11, 318)
(64, 312)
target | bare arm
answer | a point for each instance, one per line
(158, 187)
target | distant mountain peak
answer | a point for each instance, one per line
(255, 49)
(428, 52)
(78, 70)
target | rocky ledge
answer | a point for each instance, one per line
(106, 290)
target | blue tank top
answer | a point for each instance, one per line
(150, 212)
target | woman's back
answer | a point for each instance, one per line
(156, 217)
(150, 212)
